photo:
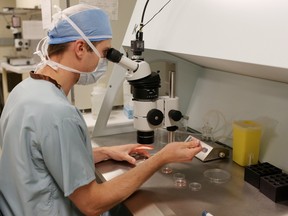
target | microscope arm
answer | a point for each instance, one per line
(102, 126)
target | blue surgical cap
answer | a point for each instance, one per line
(93, 22)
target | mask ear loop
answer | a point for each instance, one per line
(42, 46)
(41, 52)
(38, 50)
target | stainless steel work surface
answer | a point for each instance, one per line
(159, 196)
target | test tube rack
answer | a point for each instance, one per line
(270, 180)
(275, 187)
(253, 173)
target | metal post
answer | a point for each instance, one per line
(171, 134)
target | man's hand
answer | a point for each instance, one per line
(180, 151)
(122, 152)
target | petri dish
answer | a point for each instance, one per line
(180, 183)
(218, 176)
(179, 180)
(195, 186)
(167, 170)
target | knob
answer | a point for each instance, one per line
(175, 115)
(172, 128)
(222, 155)
(155, 117)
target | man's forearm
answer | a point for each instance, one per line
(94, 198)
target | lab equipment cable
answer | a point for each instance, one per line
(137, 45)
(142, 20)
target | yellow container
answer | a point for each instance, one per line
(246, 142)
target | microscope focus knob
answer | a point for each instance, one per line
(175, 115)
(155, 117)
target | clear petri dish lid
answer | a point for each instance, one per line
(195, 186)
(216, 175)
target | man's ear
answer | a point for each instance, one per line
(80, 48)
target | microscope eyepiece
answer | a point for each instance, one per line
(114, 55)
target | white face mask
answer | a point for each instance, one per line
(90, 78)
(85, 78)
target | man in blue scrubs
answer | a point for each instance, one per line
(47, 161)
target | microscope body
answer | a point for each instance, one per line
(151, 111)
(150, 115)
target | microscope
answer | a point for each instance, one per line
(15, 27)
(151, 111)
(19, 43)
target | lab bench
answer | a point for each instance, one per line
(159, 195)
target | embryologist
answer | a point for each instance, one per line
(47, 161)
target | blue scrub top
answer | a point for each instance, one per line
(46, 151)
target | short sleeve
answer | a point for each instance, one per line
(67, 153)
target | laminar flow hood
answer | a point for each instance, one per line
(247, 37)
